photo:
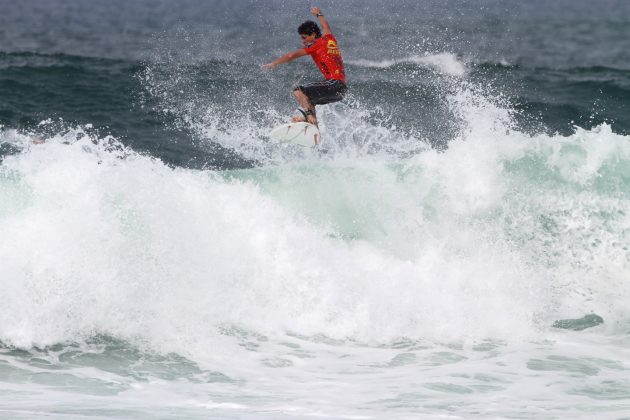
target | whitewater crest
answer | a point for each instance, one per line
(100, 243)
(498, 236)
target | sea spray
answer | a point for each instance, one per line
(451, 251)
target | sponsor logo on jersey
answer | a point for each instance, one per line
(333, 48)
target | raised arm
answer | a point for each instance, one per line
(285, 58)
(317, 12)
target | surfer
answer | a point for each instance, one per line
(324, 50)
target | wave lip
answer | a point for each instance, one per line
(446, 63)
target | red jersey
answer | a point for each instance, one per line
(327, 56)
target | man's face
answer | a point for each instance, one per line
(307, 39)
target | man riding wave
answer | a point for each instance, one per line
(324, 50)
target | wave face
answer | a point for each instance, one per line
(461, 237)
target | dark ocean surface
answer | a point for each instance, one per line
(458, 246)
(557, 64)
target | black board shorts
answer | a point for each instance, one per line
(324, 92)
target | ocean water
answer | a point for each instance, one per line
(457, 248)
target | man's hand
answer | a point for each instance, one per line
(322, 20)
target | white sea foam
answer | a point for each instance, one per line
(348, 248)
(350, 274)
(95, 243)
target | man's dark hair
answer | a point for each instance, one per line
(309, 28)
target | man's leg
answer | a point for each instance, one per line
(306, 105)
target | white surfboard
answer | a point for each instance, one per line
(299, 133)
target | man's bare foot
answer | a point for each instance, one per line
(298, 119)
(311, 119)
